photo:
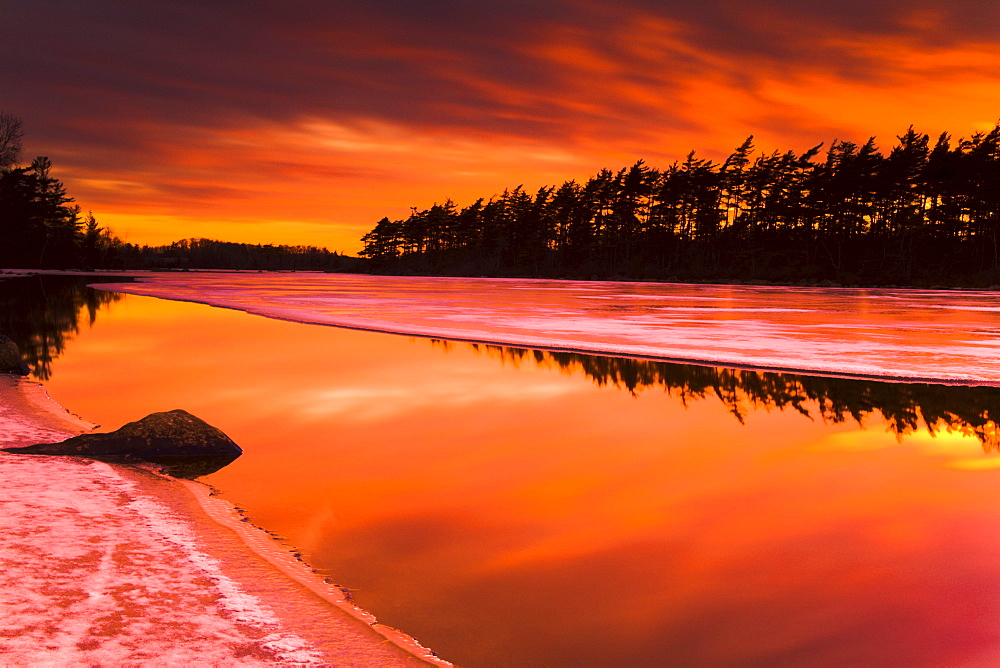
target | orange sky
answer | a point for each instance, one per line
(306, 122)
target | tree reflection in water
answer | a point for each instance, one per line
(905, 407)
(42, 313)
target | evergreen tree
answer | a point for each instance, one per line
(918, 214)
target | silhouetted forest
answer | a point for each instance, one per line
(41, 227)
(210, 254)
(924, 213)
(905, 407)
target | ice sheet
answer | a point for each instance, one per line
(932, 335)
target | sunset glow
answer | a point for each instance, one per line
(307, 125)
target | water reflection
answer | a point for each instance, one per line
(904, 407)
(528, 516)
(42, 313)
(183, 466)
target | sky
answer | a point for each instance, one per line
(306, 121)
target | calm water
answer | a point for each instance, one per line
(511, 507)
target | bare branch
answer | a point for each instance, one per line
(10, 140)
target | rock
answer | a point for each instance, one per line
(187, 446)
(10, 357)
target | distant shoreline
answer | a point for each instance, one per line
(18, 272)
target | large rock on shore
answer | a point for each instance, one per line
(10, 357)
(186, 445)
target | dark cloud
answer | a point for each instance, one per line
(443, 63)
(277, 59)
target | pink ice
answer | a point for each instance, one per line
(933, 335)
(99, 571)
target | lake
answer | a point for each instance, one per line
(514, 506)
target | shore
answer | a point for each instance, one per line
(113, 565)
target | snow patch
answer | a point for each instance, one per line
(97, 572)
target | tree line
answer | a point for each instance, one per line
(42, 227)
(923, 213)
(212, 254)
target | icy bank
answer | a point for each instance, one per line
(110, 566)
(901, 334)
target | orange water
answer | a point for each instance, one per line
(519, 514)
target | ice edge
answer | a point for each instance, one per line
(629, 352)
(257, 541)
(264, 546)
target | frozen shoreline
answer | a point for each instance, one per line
(107, 565)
